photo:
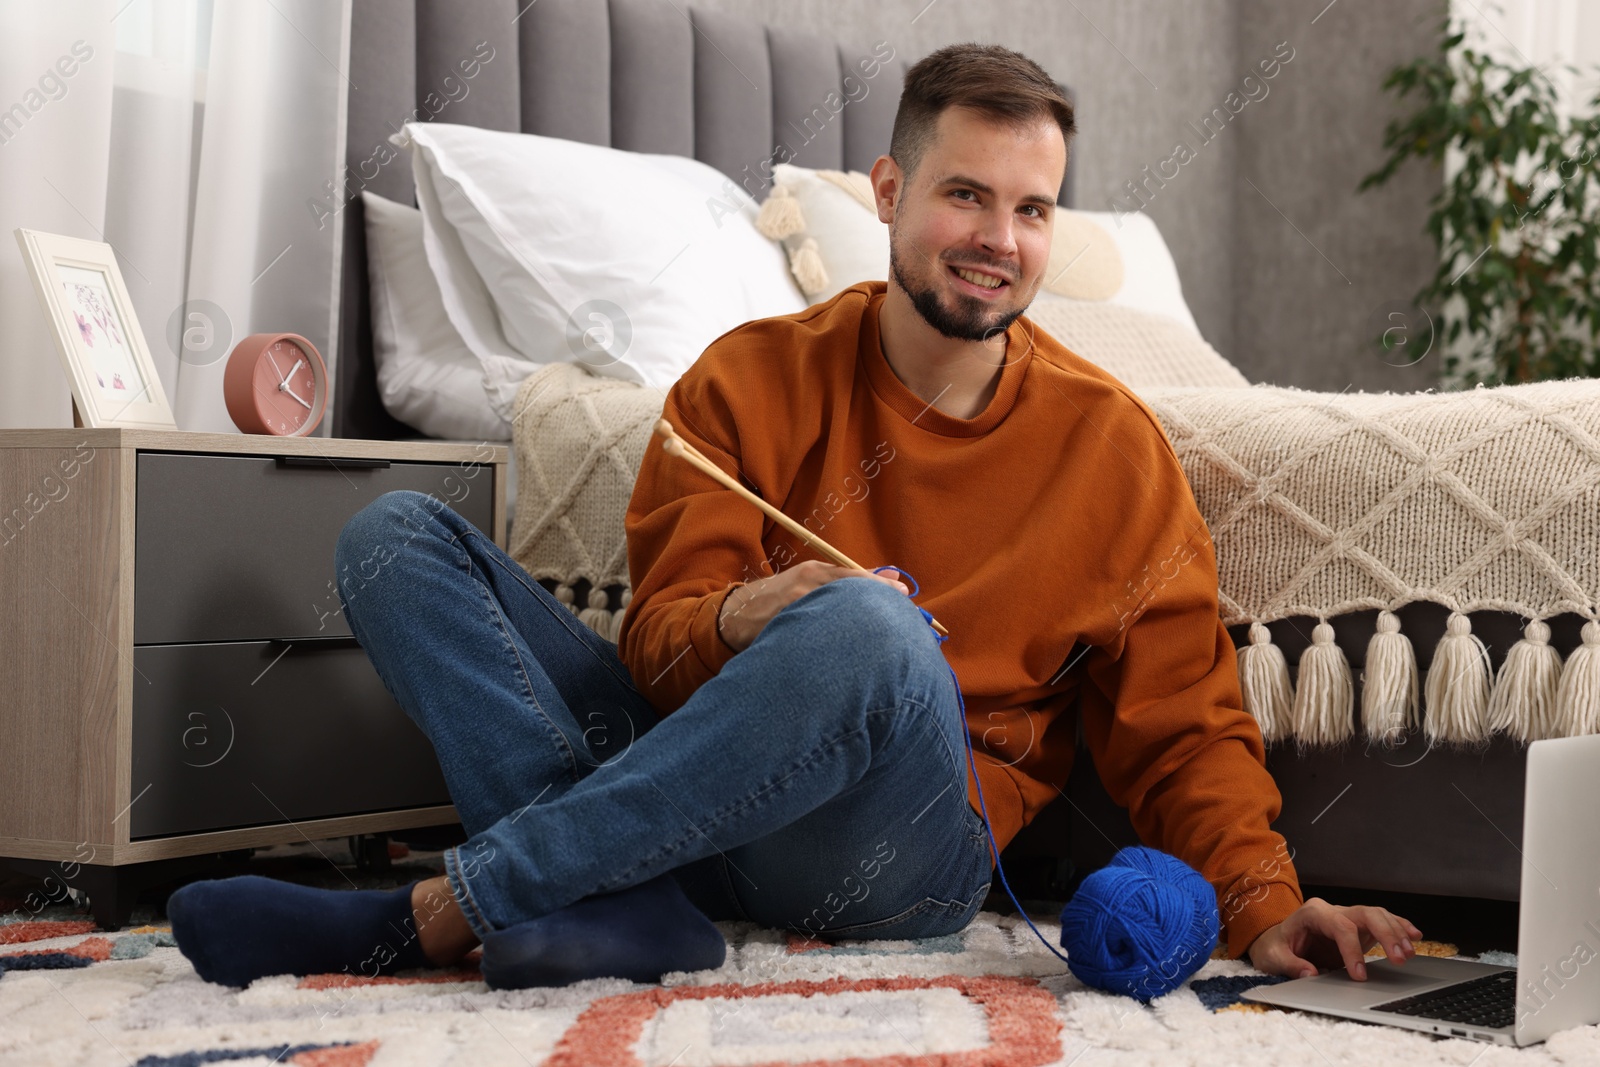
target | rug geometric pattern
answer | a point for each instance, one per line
(989, 995)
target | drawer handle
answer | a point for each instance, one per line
(333, 463)
(335, 641)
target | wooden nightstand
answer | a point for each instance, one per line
(179, 680)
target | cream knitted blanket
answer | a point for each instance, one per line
(1319, 504)
(1322, 504)
(1144, 351)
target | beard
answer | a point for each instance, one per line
(972, 319)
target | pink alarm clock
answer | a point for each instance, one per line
(275, 383)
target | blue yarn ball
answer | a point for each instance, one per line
(1141, 926)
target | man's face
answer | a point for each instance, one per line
(982, 201)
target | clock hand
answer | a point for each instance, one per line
(275, 369)
(294, 370)
(291, 392)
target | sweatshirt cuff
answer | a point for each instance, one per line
(1248, 915)
(709, 644)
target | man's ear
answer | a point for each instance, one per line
(886, 187)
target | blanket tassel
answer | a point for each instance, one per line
(1458, 686)
(1578, 699)
(616, 629)
(1264, 683)
(1324, 693)
(1389, 683)
(595, 616)
(1523, 703)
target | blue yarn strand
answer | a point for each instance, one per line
(1140, 926)
(988, 827)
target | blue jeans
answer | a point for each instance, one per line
(818, 782)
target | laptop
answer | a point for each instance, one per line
(1556, 982)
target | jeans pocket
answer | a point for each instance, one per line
(928, 917)
(977, 828)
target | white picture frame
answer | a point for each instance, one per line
(114, 381)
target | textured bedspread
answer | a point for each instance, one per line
(1319, 504)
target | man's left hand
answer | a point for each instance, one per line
(1320, 936)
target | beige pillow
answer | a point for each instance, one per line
(828, 223)
(1142, 349)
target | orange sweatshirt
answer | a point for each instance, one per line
(1054, 535)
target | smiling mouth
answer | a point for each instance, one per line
(977, 279)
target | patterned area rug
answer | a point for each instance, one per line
(991, 995)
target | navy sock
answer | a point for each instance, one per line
(639, 933)
(235, 930)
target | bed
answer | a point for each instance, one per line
(653, 76)
(640, 75)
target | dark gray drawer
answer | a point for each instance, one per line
(222, 744)
(240, 548)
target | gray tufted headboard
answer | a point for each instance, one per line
(641, 75)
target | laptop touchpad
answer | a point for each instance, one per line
(1385, 982)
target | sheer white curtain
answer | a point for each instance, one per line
(55, 142)
(264, 249)
(158, 91)
(1548, 34)
(197, 139)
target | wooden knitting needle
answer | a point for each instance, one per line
(673, 445)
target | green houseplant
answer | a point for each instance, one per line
(1516, 222)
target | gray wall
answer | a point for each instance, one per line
(1299, 318)
(1143, 70)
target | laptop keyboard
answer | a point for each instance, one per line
(1488, 1001)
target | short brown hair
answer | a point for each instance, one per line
(994, 81)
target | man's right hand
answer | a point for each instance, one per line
(749, 608)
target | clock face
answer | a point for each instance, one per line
(285, 388)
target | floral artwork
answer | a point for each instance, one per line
(108, 355)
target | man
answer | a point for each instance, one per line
(779, 739)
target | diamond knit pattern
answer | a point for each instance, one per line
(1321, 504)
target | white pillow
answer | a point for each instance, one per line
(840, 232)
(427, 378)
(549, 250)
(842, 236)
(1150, 277)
